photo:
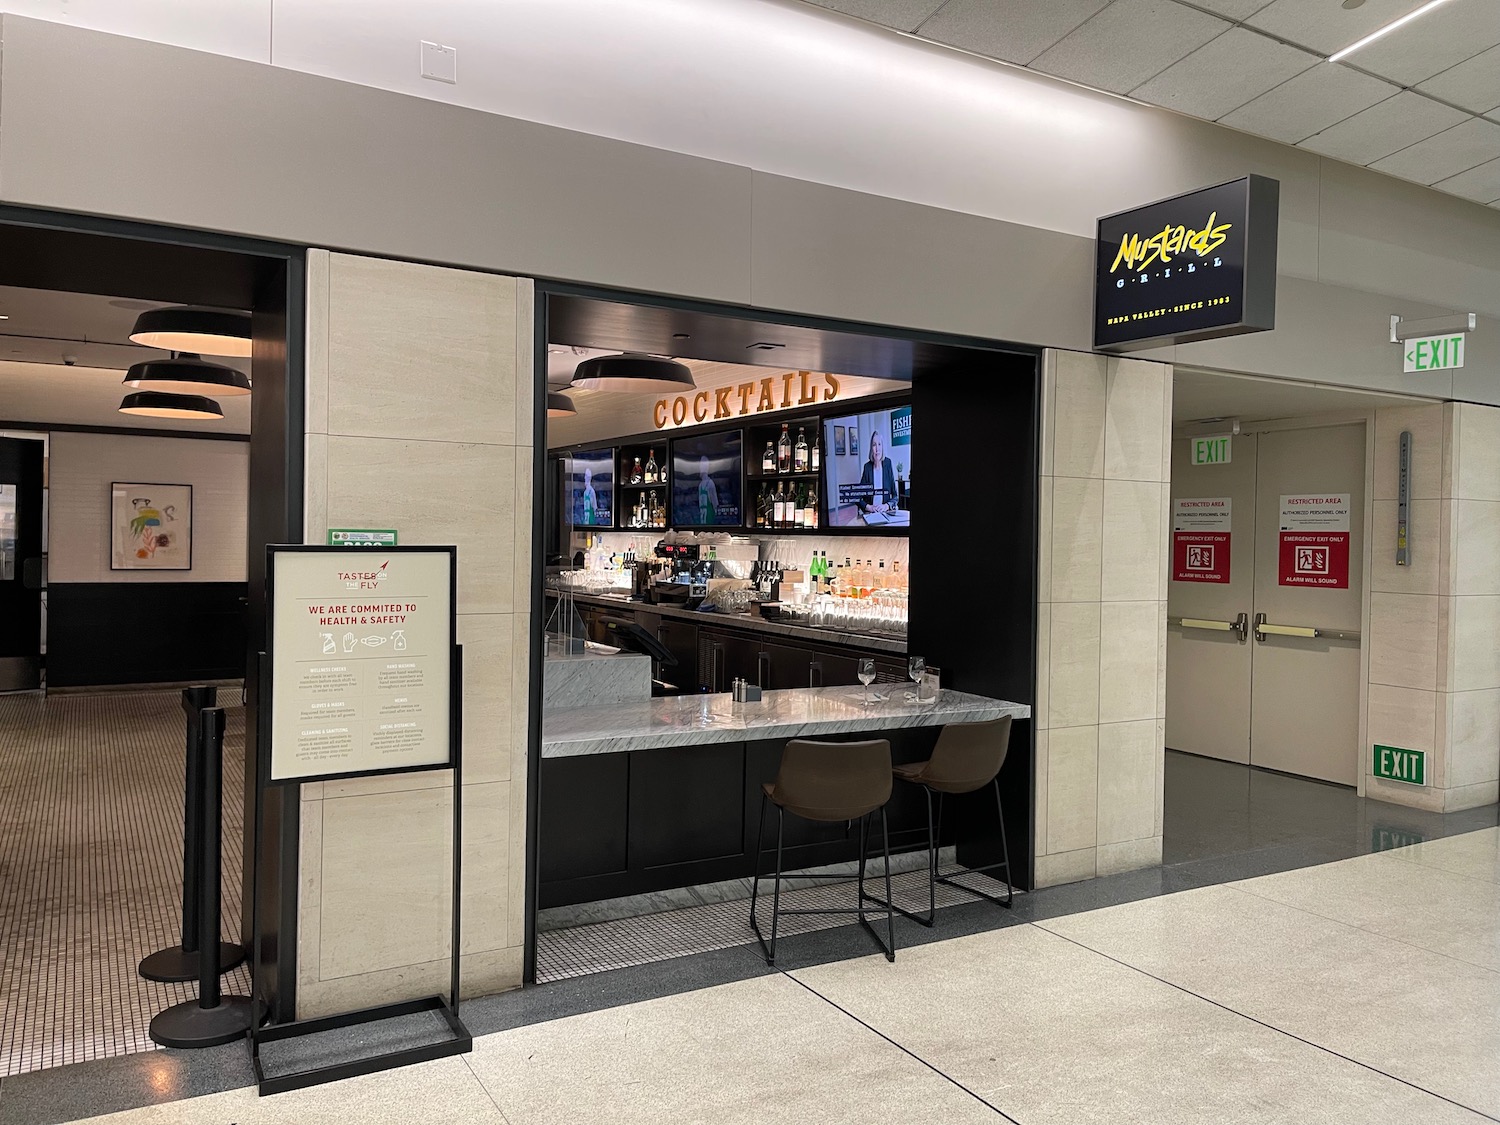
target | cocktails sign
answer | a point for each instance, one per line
(1193, 267)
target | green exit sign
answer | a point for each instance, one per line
(1395, 764)
(1434, 353)
(1211, 450)
(361, 537)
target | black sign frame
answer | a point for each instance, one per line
(1164, 275)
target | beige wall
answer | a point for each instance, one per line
(1102, 615)
(275, 152)
(84, 465)
(1434, 666)
(419, 418)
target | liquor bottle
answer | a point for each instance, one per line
(784, 451)
(799, 509)
(768, 459)
(778, 507)
(651, 470)
(812, 506)
(817, 451)
(768, 507)
(881, 579)
(636, 475)
(760, 508)
(799, 453)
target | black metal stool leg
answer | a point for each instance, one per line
(776, 887)
(864, 845)
(890, 914)
(932, 862)
(1010, 890)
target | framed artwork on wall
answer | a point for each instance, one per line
(151, 526)
(853, 439)
(838, 441)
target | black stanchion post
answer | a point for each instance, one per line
(212, 1018)
(180, 962)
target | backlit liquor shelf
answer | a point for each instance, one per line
(831, 472)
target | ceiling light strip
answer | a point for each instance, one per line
(1386, 30)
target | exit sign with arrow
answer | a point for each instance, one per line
(1434, 353)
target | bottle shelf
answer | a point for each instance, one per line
(640, 487)
(812, 474)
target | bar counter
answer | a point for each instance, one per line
(693, 720)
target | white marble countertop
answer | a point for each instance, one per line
(753, 622)
(689, 720)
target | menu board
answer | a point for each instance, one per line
(361, 651)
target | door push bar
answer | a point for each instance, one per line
(1240, 626)
(1263, 630)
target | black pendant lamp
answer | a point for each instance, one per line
(560, 405)
(633, 372)
(184, 328)
(157, 404)
(187, 374)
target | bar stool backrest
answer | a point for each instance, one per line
(967, 756)
(832, 781)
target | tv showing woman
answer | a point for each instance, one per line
(878, 477)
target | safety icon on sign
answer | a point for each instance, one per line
(1312, 560)
(1200, 557)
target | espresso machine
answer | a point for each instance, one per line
(685, 574)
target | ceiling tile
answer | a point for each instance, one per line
(1129, 42)
(1384, 128)
(1480, 184)
(1443, 38)
(1233, 9)
(903, 15)
(1014, 30)
(1326, 25)
(1473, 84)
(1310, 102)
(1225, 73)
(1455, 150)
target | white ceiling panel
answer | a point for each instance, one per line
(1310, 103)
(238, 28)
(1225, 73)
(1467, 145)
(1480, 184)
(904, 15)
(1326, 25)
(1233, 9)
(1014, 30)
(1129, 42)
(1443, 38)
(1473, 84)
(1384, 128)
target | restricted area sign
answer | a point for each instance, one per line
(1314, 546)
(1200, 538)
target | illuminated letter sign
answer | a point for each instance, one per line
(1193, 267)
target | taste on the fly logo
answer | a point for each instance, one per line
(364, 579)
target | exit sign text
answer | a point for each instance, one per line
(1434, 353)
(1395, 764)
(1211, 450)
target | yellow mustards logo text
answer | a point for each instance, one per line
(1137, 253)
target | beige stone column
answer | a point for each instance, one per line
(1434, 636)
(419, 418)
(1102, 615)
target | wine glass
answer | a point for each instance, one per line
(916, 667)
(867, 675)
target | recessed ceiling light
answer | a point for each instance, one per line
(1352, 4)
(4, 316)
(187, 329)
(1380, 33)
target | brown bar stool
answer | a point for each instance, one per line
(967, 757)
(828, 782)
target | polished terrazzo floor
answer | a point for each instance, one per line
(91, 869)
(1361, 991)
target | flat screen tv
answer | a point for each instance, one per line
(590, 481)
(707, 477)
(867, 468)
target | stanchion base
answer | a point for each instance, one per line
(175, 965)
(187, 1025)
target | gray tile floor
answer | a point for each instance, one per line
(1226, 1004)
(91, 869)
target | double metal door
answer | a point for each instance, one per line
(20, 564)
(1263, 656)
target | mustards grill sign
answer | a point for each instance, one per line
(1193, 267)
